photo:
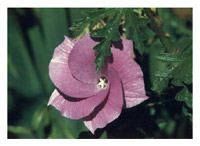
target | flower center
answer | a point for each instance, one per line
(102, 82)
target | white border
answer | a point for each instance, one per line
(196, 73)
(3, 75)
(99, 3)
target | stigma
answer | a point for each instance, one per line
(102, 82)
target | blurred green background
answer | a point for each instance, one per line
(33, 33)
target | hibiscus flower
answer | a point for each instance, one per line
(81, 93)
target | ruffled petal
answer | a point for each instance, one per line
(61, 76)
(131, 75)
(126, 46)
(76, 109)
(81, 61)
(110, 108)
(131, 102)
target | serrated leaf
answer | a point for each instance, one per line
(91, 17)
(165, 73)
(103, 47)
(109, 33)
(177, 82)
(162, 78)
(104, 50)
(186, 96)
(159, 84)
(99, 61)
(138, 38)
(133, 25)
(184, 71)
(187, 113)
(179, 69)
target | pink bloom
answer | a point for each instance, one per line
(96, 98)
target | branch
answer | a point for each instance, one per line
(156, 28)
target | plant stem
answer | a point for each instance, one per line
(160, 102)
(156, 28)
(186, 47)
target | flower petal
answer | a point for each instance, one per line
(111, 107)
(81, 61)
(131, 75)
(131, 102)
(126, 46)
(61, 76)
(76, 109)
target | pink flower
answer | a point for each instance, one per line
(98, 99)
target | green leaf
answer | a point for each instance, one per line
(104, 50)
(170, 127)
(63, 127)
(172, 25)
(59, 130)
(159, 84)
(185, 96)
(154, 64)
(74, 14)
(177, 82)
(161, 123)
(91, 17)
(152, 110)
(169, 57)
(167, 73)
(45, 36)
(21, 71)
(187, 113)
(179, 69)
(54, 28)
(109, 32)
(19, 130)
(99, 61)
(40, 115)
(104, 135)
(184, 71)
(133, 25)
(41, 57)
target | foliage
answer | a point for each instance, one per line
(162, 41)
(133, 29)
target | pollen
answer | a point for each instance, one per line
(102, 82)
